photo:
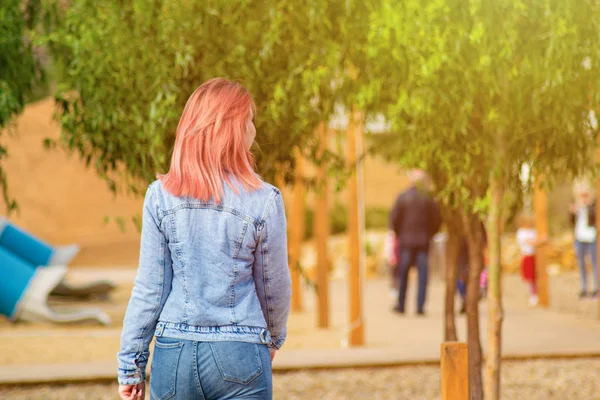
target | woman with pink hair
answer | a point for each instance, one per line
(213, 285)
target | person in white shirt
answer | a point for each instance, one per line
(583, 219)
(528, 240)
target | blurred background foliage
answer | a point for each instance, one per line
(462, 86)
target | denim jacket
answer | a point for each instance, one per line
(208, 272)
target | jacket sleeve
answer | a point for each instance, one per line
(151, 289)
(271, 271)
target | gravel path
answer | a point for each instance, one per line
(531, 380)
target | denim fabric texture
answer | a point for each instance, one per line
(408, 257)
(208, 272)
(193, 370)
(582, 249)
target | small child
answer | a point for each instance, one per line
(391, 249)
(528, 241)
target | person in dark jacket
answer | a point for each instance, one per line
(414, 220)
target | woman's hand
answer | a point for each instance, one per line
(133, 392)
(272, 353)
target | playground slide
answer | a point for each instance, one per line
(31, 271)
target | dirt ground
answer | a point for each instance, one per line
(50, 344)
(526, 380)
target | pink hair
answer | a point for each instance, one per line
(210, 144)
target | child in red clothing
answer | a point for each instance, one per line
(528, 241)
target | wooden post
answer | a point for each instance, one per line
(296, 232)
(455, 371)
(598, 212)
(540, 209)
(494, 297)
(474, 233)
(322, 231)
(356, 251)
(453, 221)
(594, 122)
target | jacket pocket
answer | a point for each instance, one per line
(163, 378)
(238, 362)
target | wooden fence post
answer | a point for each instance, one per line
(597, 213)
(356, 270)
(296, 232)
(540, 209)
(598, 209)
(455, 371)
(322, 231)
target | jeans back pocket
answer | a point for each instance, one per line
(238, 362)
(163, 378)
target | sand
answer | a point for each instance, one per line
(531, 380)
(44, 343)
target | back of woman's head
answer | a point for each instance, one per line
(210, 146)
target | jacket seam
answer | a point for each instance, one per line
(185, 326)
(215, 207)
(232, 299)
(182, 266)
(267, 209)
(240, 241)
(236, 252)
(265, 256)
(264, 278)
(145, 326)
(266, 283)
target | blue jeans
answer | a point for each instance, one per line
(408, 257)
(189, 370)
(582, 249)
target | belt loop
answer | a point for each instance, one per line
(159, 329)
(265, 336)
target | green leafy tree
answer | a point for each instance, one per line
(483, 87)
(20, 69)
(127, 70)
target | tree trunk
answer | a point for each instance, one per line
(452, 249)
(494, 301)
(598, 210)
(296, 233)
(474, 233)
(540, 209)
(455, 233)
(356, 246)
(322, 231)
